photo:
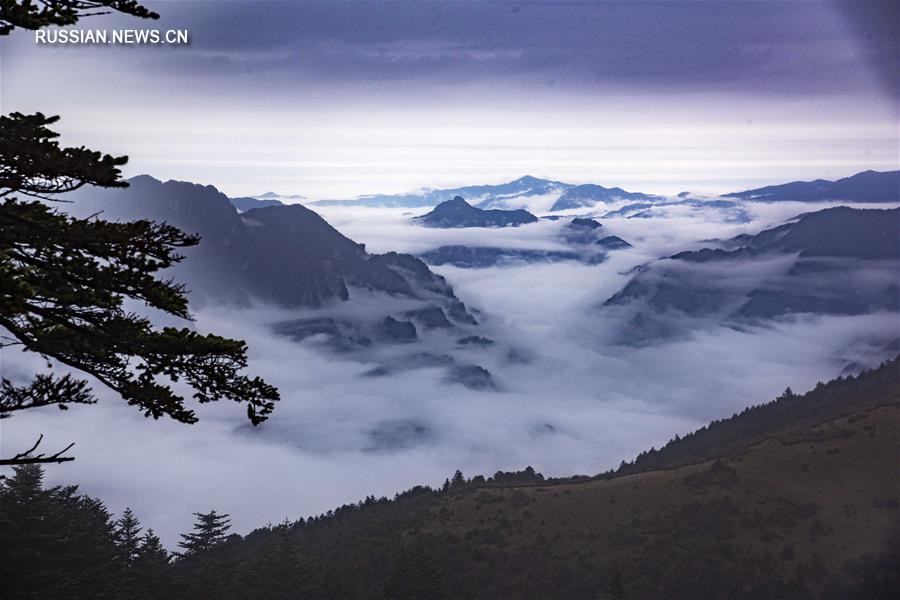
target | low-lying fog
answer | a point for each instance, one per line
(579, 405)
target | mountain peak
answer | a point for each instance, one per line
(458, 213)
(143, 179)
(527, 179)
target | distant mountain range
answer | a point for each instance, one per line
(836, 261)
(543, 195)
(526, 192)
(868, 186)
(730, 211)
(274, 195)
(457, 213)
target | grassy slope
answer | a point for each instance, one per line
(803, 504)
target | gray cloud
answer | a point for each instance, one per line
(775, 47)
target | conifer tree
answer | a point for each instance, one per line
(63, 286)
(209, 531)
(128, 531)
(151, 551)
(458, 480)
(149, 576)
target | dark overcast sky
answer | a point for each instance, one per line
(750, 47)
(538, 67)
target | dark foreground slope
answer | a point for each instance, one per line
(797, 498)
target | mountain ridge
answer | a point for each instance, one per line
(865, 186)
(509, 195)
(286, 254)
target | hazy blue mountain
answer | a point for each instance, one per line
(581, 231)
(514, 194)
(836, 261)
(286, 254)
(246, 203)
(588, 195)
(274, 195)
(457, 213)
(731, 210)
(587, 233)
(868, 186)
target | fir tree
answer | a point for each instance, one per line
(151, 551)
(209, 531)
(63, 286)
(128, 531)
(458, 480)
(149, 576)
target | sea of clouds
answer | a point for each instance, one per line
(579, 402)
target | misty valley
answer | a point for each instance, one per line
(512, 348)
(321, 300)
(414, 341)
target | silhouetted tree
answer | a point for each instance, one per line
(35, 14)
(151, 551)
(128, 531)
(149, 577)
(787, 394)
(209, 531)
(458, 480)
(64, 281)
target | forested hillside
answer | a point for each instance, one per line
(795, 498)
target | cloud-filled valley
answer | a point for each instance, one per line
(567, 394)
